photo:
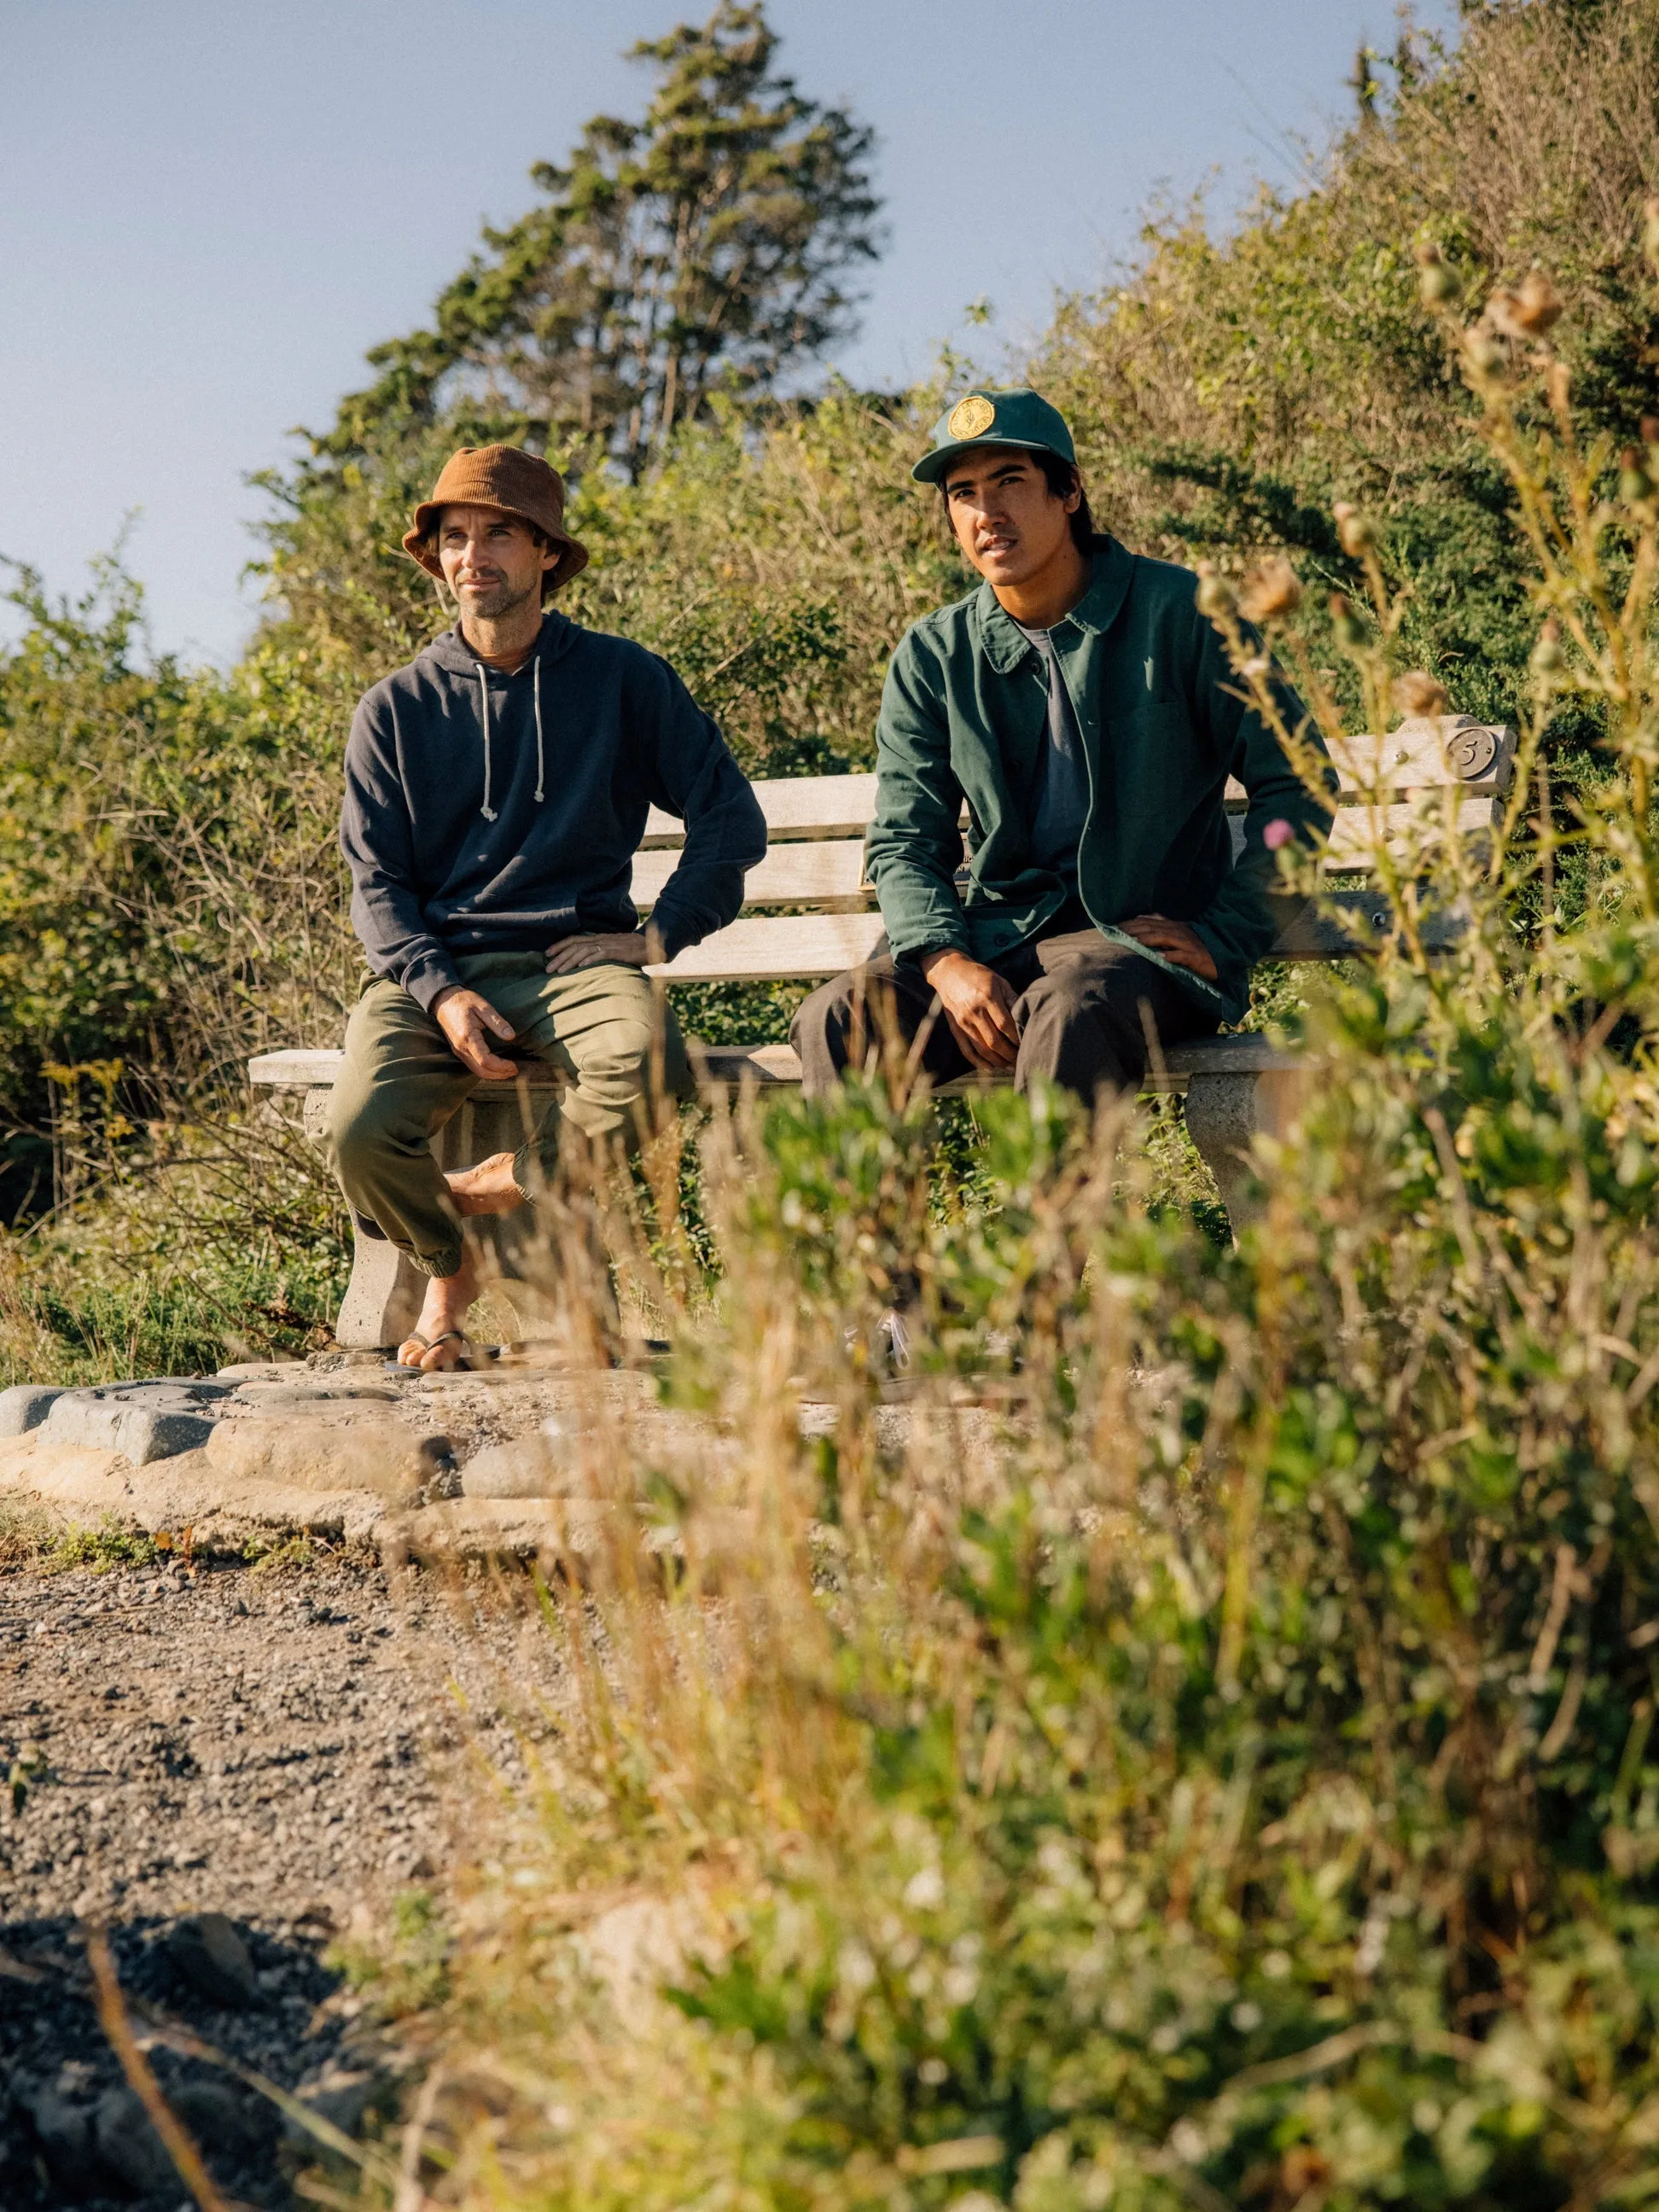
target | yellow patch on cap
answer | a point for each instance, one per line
(972, 416)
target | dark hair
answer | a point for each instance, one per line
(1063, 478)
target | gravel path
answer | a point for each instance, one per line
(267, 1745)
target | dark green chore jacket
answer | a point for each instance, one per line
(964, 715)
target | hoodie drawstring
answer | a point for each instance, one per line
(487, 810)
(541, 762)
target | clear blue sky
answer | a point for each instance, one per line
(212, 207)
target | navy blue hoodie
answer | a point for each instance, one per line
(491, 813)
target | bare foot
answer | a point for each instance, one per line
(444, 1309)
(487, 1189)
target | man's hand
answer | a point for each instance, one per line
(469, 1021)
(1177, 940)
(979, 1008)
(632, 948)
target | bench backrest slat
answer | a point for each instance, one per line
(808, 947)
(1358, 830)
(1438, 749)
(1446, 773)
(830, 875)
(1422, 755)
(827, 875)
(777, 949)
(794, 806)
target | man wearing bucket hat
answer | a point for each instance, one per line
(1082, 712)
(496, 793)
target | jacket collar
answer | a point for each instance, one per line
(1006, 645)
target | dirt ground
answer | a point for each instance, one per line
(265, 1744)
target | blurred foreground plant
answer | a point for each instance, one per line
(1203, 1755)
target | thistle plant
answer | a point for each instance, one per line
(1202, 1754)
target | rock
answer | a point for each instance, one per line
(64, 2129)
(24, 1406)
(270, 1394)
(525, 1468)
(261, 1371)
(636, 1949)
(572, 1533)
(329, 1448)
(217, 2117)
(142, 1421)
(207, 1952)
(129, 2147)
(339, 2096)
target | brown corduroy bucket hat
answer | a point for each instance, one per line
(517, 482)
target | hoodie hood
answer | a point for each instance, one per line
(450, 651)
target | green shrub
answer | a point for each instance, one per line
(1208, 1760)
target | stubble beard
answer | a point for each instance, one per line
(499, 601)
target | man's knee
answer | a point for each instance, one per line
(1067, 992)
(1077, 1031)
(618, 1052)
(365, 1127)
(824, 1012)
(830, 1027)
(1109, 991)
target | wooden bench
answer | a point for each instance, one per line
(810, 913)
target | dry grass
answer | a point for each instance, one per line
(1203, 1757)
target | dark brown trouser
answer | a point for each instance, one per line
(1084, 1008)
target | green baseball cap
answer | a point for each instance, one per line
(1021, 417)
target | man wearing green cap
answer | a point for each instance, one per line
(1083, 713)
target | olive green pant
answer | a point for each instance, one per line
(603, 1029)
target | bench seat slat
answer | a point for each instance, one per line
(772, 1066)
(295, 1069)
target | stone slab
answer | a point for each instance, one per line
(525, 1467)
(551, 1462)
(166, 1391)
(80, 1485)
(142, 1421)
(308, 1391)
(24, 1406)
(321, 1447)
(311, 1458)
(468, 1528)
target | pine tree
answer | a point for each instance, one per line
(705, 246)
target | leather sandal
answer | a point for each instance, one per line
(431, 1344)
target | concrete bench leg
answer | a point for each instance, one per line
(382, 1301)
(1225, 1113)
(383, 1298)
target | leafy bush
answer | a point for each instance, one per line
(1208, 1761)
